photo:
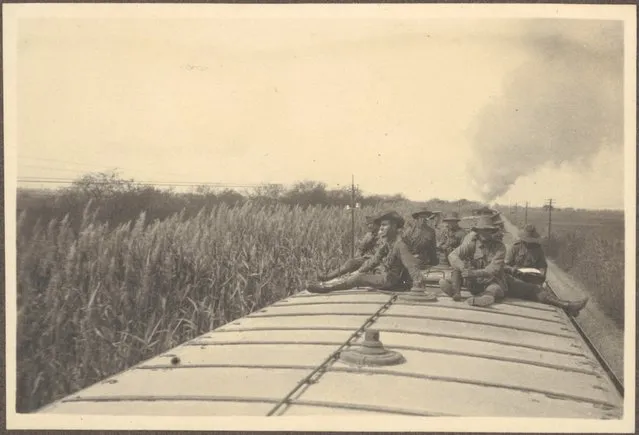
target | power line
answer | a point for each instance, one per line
(94, 166)
(151, 183)
(53, 168)
(146, 181)
(68, 162)
(66, 180)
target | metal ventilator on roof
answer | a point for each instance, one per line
(319, 370)
(417, 295)
(371, 352)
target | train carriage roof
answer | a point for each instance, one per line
(519, 359)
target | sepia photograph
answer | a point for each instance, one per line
(320, 217)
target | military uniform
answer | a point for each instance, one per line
(486, 261)
(422, 240)
(367, 244)
(365, 250)
(392, 267)
(422, 243)
(527, 250)
(449, 238)
(526, 255)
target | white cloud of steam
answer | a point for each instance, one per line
(562, 106)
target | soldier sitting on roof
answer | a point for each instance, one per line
(365, 250)
(435, 220)
(499, 223)
(422, 240)
(450, 237)
(495, 218)
(526, 252)
(480, 260)
(392, 266)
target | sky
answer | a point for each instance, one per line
(503, 111)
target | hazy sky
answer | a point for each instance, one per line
(396, 102)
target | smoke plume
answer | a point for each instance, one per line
(562, 106)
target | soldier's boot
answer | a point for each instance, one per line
(331, 275)
(343, 284)
(572, 307)
(318, 288)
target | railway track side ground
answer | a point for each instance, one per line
(600, 329)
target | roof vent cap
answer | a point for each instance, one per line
(418, 295)
(371, 352)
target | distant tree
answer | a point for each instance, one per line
(204, 189)
(99, 185)
(307, 193)
(230, 196)
(269, 191)
(344, 196)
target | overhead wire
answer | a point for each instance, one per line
(97, 167)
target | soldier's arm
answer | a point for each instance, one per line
(373, 261)
(365, 244)
(461, 253)
(410, 242)
(411, 264)
(495, 266)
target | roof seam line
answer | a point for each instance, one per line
(333, 355)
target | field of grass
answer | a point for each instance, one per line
(95, 299)
(590, 246)
(98, 293)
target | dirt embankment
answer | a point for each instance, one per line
(605, 335)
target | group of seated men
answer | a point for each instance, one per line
(389, 258)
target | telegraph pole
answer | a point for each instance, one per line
(353, 215)
(526, 214)
(549, 205)
(353, 205)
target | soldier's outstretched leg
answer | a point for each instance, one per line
(491, 294)
(350, 266)
(360, 280)
(452, 287)
(572, 307)
(524, 290)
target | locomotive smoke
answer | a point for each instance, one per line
(563, 106)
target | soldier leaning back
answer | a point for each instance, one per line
(393, 267)
(365, 250)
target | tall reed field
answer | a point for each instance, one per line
(94, 299)
(589, 245)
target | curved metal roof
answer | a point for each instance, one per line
(519, 358)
